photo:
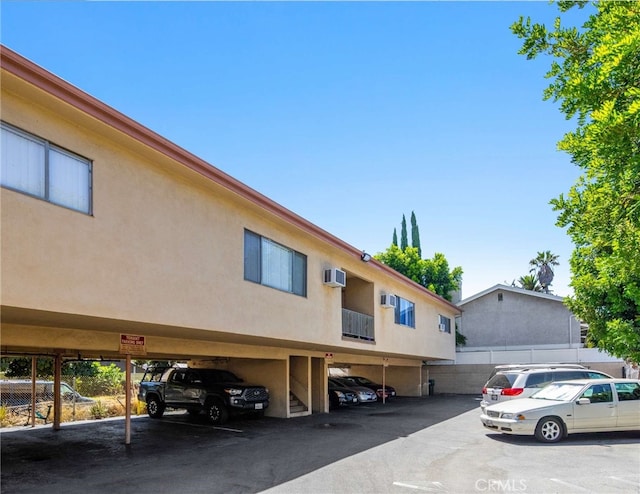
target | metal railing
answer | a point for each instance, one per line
(357, 325)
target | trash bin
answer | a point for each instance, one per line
(432, 387)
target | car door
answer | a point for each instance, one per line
(628, 405)
(193, 386)
(174, 387)
(600, 414)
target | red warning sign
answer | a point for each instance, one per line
(132, 344)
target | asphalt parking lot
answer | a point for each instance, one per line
(430, 444)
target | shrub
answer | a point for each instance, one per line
(98, 411)
(108, 380)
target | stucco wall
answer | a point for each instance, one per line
(515, 320)
(164, 250)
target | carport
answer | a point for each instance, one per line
(270, 366)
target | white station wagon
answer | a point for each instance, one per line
(567, 407)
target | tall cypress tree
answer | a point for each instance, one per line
(395, 238)
(415, 234)
(404, 242)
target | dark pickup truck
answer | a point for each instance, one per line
(217, 392)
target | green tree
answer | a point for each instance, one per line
(406, 262)
(543, 268)
(21, 367)
(415, 234)
(404, 241)
(595, 75)
(395, 237)
(434, 274)
(438, 278)
(530, 282)
(105, 380)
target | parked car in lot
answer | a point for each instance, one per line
(381, 391)
(364, 394)
(340, 395)
(217, 392)
(17, 392)
(510, 367)
(522, 383)
(567, 407)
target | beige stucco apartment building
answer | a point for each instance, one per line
(110, 231)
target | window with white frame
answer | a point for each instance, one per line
(444, 324)
(38, 168)
(272, 264)
(405, 313)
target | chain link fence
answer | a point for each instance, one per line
(97, 393)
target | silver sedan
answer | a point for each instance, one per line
(567, 407)
(364, 395)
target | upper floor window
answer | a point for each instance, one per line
(405, 313)
(36, 167)
(271, 264)
(444, 324)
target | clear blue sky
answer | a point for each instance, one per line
(350, 114)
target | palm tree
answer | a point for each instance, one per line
(530, 282)
(542, 265)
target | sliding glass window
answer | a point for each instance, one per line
(41, 169)
(272, 264)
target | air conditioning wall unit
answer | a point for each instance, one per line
(388, 300)
(335, 277)
(442, 327)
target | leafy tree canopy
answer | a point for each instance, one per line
(21, 367)
(595, 75)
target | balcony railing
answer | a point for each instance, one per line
(357, 325)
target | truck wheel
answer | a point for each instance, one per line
(217, 412)
(155, 408)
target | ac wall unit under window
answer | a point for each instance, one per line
(388, 300)
(442, 327)
(335, 277)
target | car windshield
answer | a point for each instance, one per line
(558, 391)
(363, 380)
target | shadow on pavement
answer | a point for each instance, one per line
(180, 453)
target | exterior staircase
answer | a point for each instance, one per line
(296, 407)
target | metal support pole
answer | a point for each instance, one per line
(127, 421)
(57, 397)
(384, 385)
(34, 365)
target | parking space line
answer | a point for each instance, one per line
(228, 429)
(631, 482)
(567, 484)
(437, 486)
